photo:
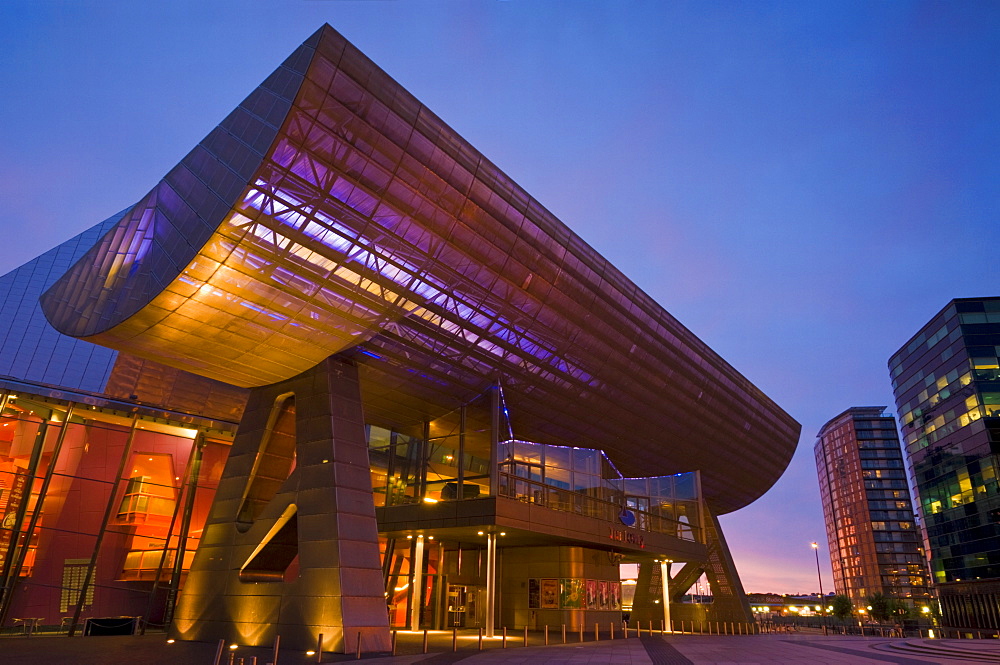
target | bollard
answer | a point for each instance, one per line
(525, 634)
(504, 643)
(611, 629)
(253, 661)
(319, 648)
(650, 627)
(218, 652)
(454, 639)
(232, 658)
(625, 629)
(480, 638)
(663, 628)
(357, 655)
(393, 652)
(275, 649)
(597, 633)
(564, 633)
(581, 631)
(546, 634)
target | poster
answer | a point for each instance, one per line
(591, 594)
(534, 594)
(603, 602)
(572, 594)
(614, 595)
(550, 595)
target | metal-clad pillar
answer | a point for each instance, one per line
(491, 581)
(417, 586)
(665, 576)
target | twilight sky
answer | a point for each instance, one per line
(803, 185)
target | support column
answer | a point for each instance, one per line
(244, 585)
(665, 576)
(491, 582)
(417, 586)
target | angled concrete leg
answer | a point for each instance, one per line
(729, 601)
(290, 547)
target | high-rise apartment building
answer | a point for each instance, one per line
(946, 381)
(874, 542)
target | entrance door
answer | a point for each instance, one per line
(458, 597)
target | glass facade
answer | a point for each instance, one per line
(946, 381)
(871, 531)
(102, 503)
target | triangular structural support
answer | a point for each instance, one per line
(729, 603)
(290, 547)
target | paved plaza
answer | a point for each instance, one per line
(645, 650)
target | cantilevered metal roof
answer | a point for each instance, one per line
(331, 212)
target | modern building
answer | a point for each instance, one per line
(367, 381)
(946, 380)
(874, 543)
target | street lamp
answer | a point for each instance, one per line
(819, 577)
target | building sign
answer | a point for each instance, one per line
(627, 536)
(626, 516)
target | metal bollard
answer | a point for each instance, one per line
(480, 638)
(425, 639)
(357, 655)
(611, 629)
(454, 639)
(232, 658)
(319, 648)
(546, 634)
(581, 631)
(564, 633)
(393, 652)
(504, 643)
(597, 633)
(525, 635)
(650, 627)
(275, 649)
(625, 630)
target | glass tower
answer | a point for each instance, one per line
(874, 546)
(946, 380)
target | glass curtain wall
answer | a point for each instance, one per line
(102, 510)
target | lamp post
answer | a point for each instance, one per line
(819, 577)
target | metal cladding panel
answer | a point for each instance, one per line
(370, 227)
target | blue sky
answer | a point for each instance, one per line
(803, 185)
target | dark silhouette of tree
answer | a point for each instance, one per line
(880, 607)
(842, 608)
